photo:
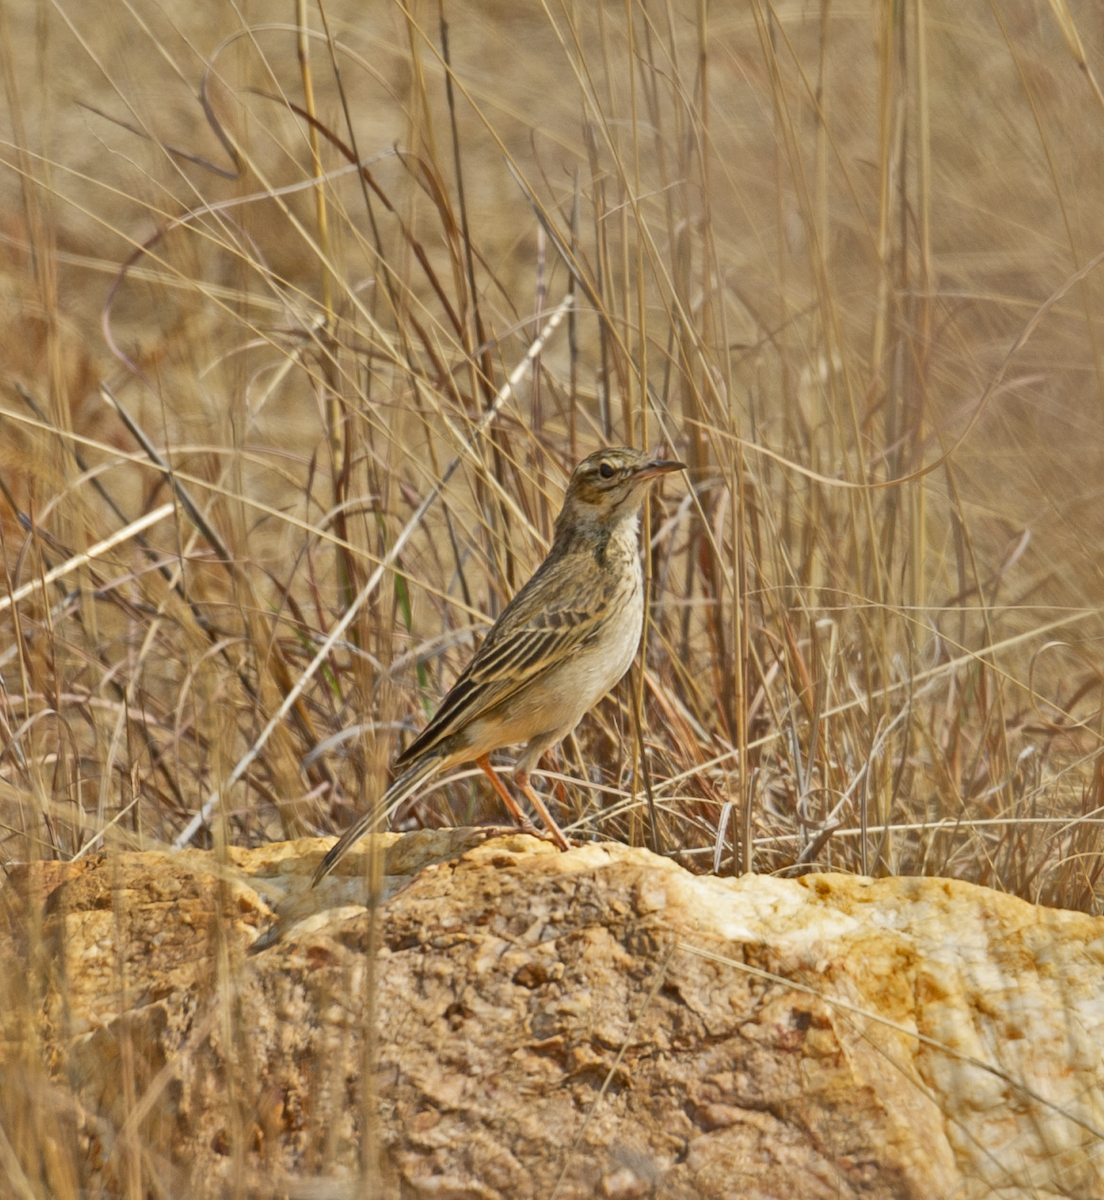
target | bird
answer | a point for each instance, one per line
(557, 648)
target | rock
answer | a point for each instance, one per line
(596, 1023)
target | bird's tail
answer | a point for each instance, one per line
(405, 785)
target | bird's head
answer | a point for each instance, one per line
(608, 486)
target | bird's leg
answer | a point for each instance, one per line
(484, 764)
(521, 778)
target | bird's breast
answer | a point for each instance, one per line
(606, 658)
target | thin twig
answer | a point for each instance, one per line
(96, 551)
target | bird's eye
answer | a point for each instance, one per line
(606, 471)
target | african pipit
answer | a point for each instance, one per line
(563, 641)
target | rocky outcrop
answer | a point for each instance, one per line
(596, 1023)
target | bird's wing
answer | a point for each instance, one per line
(541, 627)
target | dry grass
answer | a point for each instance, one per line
(817, 237)
(842, 259)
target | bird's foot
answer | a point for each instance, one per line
(553, 830)
(555, 835)
(530, 830)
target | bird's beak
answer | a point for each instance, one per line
(662, 466)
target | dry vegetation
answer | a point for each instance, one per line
(811, 249)
(842, 259)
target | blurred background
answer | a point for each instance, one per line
(840, 259)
